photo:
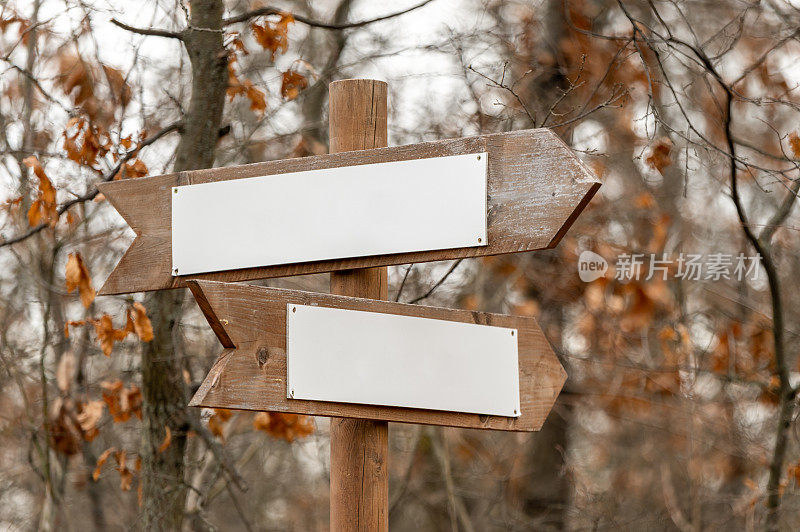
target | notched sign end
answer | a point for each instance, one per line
(201, 295)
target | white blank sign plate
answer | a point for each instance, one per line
(352, 356)
(334, 213)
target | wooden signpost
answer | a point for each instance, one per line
(351, 355)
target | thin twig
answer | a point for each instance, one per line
(457, 510)
(438, 283)
(218, 452)
(403, 283)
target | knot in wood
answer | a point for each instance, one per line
(261, 356)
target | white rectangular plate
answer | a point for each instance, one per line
(352, 356)
(335, 213)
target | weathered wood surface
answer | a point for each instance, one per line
(359, 472)
(536, 189)
(252, 375)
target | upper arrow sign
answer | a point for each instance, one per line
(404, 363)
(535, 187)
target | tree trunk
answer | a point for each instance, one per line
(163, 387)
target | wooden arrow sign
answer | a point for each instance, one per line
(251, 373)
(531, 189)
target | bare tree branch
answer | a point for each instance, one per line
(148, 31)
(244, 17)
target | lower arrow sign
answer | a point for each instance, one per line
(442, 366)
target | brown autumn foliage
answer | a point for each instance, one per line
(272, 33)
(287, 427)
(122, 402)
(236, 87)
(136, 322)
(81, 80)
(72, 422)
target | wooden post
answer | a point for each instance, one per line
(359, 447)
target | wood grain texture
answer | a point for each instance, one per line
(536, 189)
(359, 472)
(252, 376)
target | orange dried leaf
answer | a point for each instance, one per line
(119, 87)
(101, 461)
(132, 400)
(258, 101)
(141, 323)
(122, 402)
(794, 472)
(74, 75)
(237, 44)
(133, 170)
(217, 421)
(659, 157)
(236, 87)
(288, 427)
(106, 334)
(125, 474)
(44, 208)
(794, 143)
(64, 431)
(292, 83)
(273, 35)
(77, 276)
(73, 323)
(645, 200)
(770, 395)
(88, 418)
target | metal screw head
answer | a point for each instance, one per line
(512, 333)
(479, 157)
(480, 240)
(294, 309)
(515, 411)
(176, 271)
(175, 190)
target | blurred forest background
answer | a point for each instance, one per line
(680, 410)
